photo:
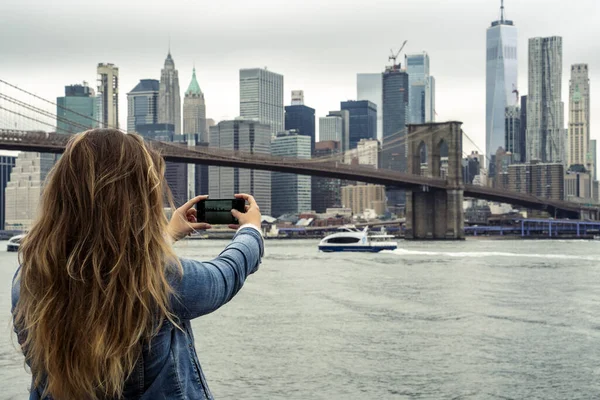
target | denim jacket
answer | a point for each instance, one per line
(170, 368)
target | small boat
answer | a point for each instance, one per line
(352, 239)
(14, 243)
(597, 237)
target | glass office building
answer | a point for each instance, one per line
(363, 120)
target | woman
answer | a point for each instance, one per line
(101, 304)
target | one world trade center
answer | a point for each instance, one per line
(501, 83)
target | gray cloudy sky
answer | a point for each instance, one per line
(318, 46)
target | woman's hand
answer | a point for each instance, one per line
(251, 216)
(183, 222)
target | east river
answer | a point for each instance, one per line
(470, 320)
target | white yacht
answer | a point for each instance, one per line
(14, 243)
(351, 239)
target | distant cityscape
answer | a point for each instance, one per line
(528, 147)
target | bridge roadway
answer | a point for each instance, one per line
(44, 142)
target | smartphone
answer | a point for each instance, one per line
(218, 211)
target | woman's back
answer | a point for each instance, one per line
(101, 303)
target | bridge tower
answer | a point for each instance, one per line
(430, 213)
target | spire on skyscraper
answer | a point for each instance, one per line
(502, 11)
(194, 88)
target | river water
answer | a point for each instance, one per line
(472, 320)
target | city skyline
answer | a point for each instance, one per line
(325, 71)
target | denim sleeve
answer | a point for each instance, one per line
(15, 293)
(206, 286)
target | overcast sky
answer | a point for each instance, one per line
(319, 46)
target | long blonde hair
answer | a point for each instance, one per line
(94, 266)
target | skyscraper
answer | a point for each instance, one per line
(363, 120)
(545, 109)
(501, 79)
(395, 107)
(169, 97)
(291, 193)
(512, 139)
(195, 131)
(24, 189)
(6, 165)
(326, 192)
(523, 135)
(395, 114)
(421, 102)
(142, 104)
(261, 97)
(301, 118)
(593, 150)
(194, 111)
(345, 116)
(76, 111)
(248, 136)
(330, 129)
(579, 117)
(108, 95)
(369, 87)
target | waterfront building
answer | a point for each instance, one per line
(362, 197)
(6, 165)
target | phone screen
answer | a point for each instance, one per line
(218, 211)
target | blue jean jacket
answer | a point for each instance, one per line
(170, 369)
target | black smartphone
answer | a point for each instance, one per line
(218, 211)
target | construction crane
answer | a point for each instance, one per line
(394, 57)
(516, 91)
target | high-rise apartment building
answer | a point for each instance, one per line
(368, 152)
(108, 96)
(301, 118)
(23, 191)
(326, 192)
(369, 87)
(290, 193)
(579, 117)
(331, 129)
(501, 79)
(512, 137)
(76, 110)
(248, 136)
(362, 197)
(195, 131)
(142, 104)
(363, 120)
(421, 101)
(169, 97)
(545, 109)
(6, 165)
(261, 98)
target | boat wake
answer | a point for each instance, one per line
(481, 254)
